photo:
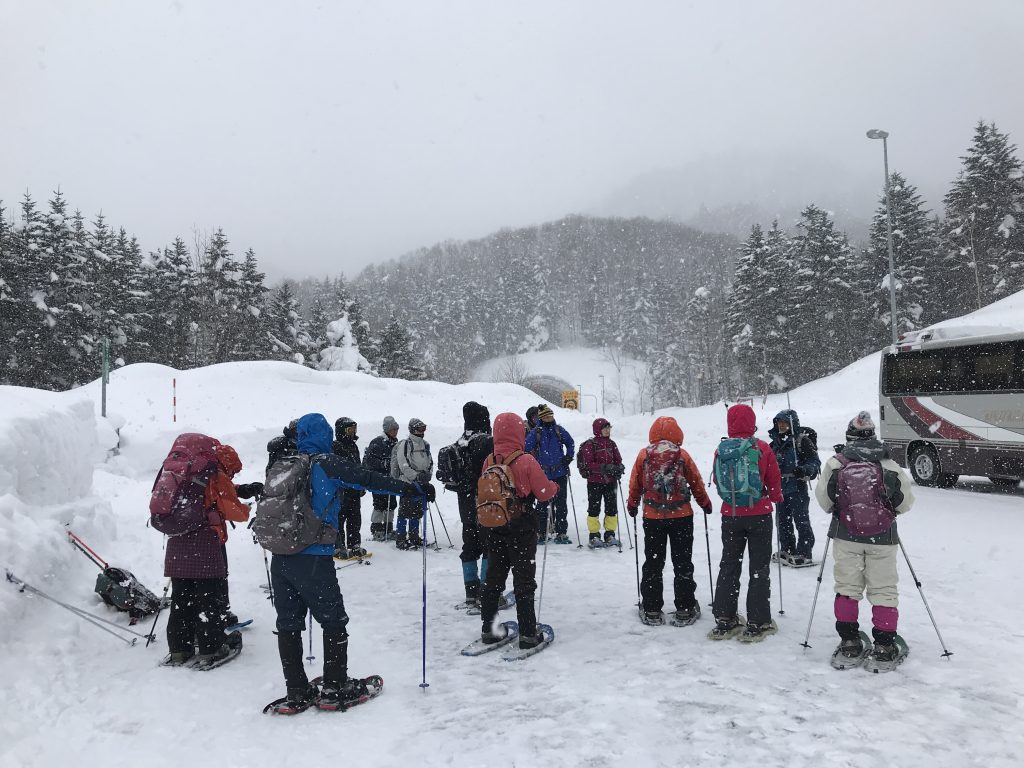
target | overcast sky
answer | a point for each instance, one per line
(327, 135)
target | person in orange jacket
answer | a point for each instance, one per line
(223, 505)
(667, 479)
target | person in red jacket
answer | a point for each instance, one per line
(514, 546)
(599, 461)
(667, 478)
(747, 526)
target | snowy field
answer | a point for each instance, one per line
(608, 692)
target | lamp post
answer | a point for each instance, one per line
(876, 133)
(601, 377)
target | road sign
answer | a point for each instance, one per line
(571, 399)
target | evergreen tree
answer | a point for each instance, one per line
(219, 301)
(396, 357)
(251, 341)
(173, 294)
(288, 330)
(984, 228)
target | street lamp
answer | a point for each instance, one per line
(876, 133)
(601, 377)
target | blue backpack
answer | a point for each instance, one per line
(737, 474)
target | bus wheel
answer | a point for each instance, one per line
(924, 466)
(1008, 482)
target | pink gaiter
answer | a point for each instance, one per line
(846, 608)
(884, 617)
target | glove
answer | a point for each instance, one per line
(249, 490)
(614, 470)
(708, 509)
(633, 511)
(431, 493)
(566, 461)
(799, 472)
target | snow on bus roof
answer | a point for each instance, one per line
(1000, 321)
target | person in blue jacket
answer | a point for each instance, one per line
(796, 450)
(553, 448)
(306, 582)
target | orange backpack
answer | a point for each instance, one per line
(497, 503)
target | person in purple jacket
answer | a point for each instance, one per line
(600, 462)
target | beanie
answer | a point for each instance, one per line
(861, 427)
(390, 423)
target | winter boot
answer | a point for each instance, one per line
(297, 700)
(610, 539)
(595, 541)
(686, 616)
(401, 541)
(490, 638)
(473, 593)
(357, 552)
(652, 618)
(178, 658)
(231, 647)
(755, 633)
(414, 539)
(530, 641)
(340, 553)
(726, 629)
(332, 698)
(377, 531)
(502, 602)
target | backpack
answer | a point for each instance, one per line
(664, 482)
(120, 589)
(737, 474)
(455, 463)
(176, 505)
(581, 465)
(862, 503)
(285, 522)
(497, 503)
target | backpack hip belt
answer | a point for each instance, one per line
(665, 506)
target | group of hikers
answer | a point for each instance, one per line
(511, 482)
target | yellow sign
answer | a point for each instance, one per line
(571, 399)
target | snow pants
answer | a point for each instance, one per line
(198, 615)
(559, 510)
(862, 567)
(350, 520)
(738, 533)
(472, 537)
(383, 516)
(794, 511)
(513, 547)
(596, 493)
(658, 535)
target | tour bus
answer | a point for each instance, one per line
(953, 404)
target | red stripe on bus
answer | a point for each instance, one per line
(943, 429)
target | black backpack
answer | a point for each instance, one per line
(455, 464)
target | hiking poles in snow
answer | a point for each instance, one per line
(311, 658)
(424, 685)
(778, 541)
(430, 513)
(86, 550)
(707, 543)
(445, 527)
(96, 621)
(568, 482)
(821, 570)
(543, 567)
(622, 498)
(946, 653)
(617, 527)
(636, 554)
(152, 630)
(270, 582)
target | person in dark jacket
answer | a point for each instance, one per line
(282, 445)
(377, 458)
(553, 448)
(514, 546)
(351, 518)
(862, 562)
(796, 451)
(477, 440)
(307, 582)
(600, 462)
(742, 527)
(531, 417)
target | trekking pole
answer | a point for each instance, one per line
(445, 527)
(311, 658)
(778, 541)
(152, 630)
(86, 550)
(543, 567)
(821, 570)
(636, 554)
(430, 512)
(568, 482)
(424, 685)
(617, 527)
(707, 543)
(622, 497)
(270, 583)
(94, 620)
(946, 653)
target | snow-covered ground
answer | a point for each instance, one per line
(609, 691)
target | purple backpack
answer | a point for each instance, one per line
(861, 499)
(176, 506)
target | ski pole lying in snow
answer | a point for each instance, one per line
(946, 653)
(445, 527)
(575, 520)
(96, 621)
(821, 570)
(152, 630)
(622, 498)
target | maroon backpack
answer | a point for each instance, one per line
(176, 507)
(861, 500)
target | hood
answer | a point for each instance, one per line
(666, 428)
(787, 415)
(227, 458)
(742, 421)
(871, 449)
(599, 424)
(509, 433)
(289, 431)
(476, 417)
(314, 434)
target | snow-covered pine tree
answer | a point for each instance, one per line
(340, 352)
(985, 218)
(251, 342)
(318, 341)
(173, 289)
(219, 301)
(14, 307)
(288, 330)
(745, 315)
(916, 253)
(396, 355)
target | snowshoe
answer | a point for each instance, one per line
(401, 541)
(357, 553)
(651, 618)
(851, 653)
(561, 538)
(776, 556)
(611, 541)
(492, 642)
(755, 633)
(294, 703)
(178, 659)
(472, 607)
(227, 652)
(237, 625)
(886, 657)
(797, 561)
(528, 646)
(595, 543)
(506, 601)
(354, 691)
(685, 617)
(726, 629)
(379, 536)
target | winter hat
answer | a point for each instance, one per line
(341, 425)
(291, 430)
(531, 415)
(415, 425)
(390, 423)
(544, 411)
(476, 417)
(861, 427)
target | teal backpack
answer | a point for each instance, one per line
(737, 475)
